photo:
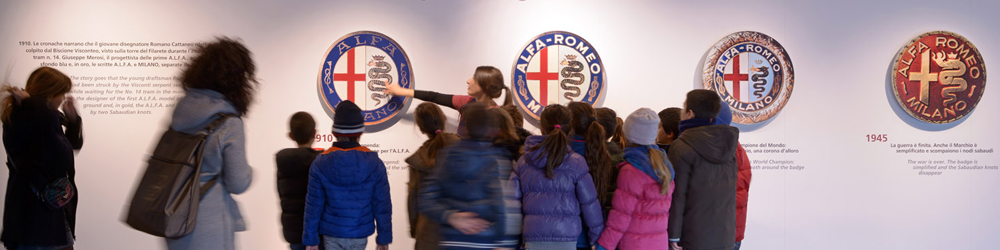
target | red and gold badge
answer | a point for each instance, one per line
(939, 77)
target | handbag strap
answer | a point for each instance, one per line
(221, 118)
(207, 185)
(207, 131)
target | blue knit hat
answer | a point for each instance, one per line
(725, 116)
(348, 120)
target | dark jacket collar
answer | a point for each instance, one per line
(346, 144)
(694, 123)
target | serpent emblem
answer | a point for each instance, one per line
(379, 70)
(759, 82)
(952, 70)
(571, 71)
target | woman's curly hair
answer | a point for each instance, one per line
(224, 66)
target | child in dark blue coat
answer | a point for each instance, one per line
(348, 196)
(469, 193)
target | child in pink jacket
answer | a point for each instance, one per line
(641, 204)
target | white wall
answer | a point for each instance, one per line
(852, 193)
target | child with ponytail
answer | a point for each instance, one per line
(641, 209)
(612, 130)
(588, 139)
(430, 120)
(555, 187)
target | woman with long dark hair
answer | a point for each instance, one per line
(40, 156)
(220, 79)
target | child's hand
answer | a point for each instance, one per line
(382, 247)
(675, 246)
(312, 247)
(468, 222)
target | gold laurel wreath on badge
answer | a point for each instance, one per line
(760, 39)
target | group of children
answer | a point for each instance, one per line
(590, 180)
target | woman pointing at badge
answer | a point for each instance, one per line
(485, 85)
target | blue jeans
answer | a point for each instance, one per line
(334, 243)
(295, 246)
(545, 245)
(737, 247)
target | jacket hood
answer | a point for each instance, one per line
(533, 140)
(417, 160)
(198, 108)
(725, 116)
(715, 143)
(536, 158)
(639, 158)
(352, 166)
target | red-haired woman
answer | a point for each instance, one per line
(40, 152)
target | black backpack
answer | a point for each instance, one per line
(166, 201)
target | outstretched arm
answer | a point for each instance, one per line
(427, 96)
(395, 89)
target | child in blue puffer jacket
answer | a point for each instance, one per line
(555, 187)
(348, 190)
(469, 193)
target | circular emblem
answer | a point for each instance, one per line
(357, 67)
(938, 77)
(752, 73)
(557, 67)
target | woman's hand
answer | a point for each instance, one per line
(18, 94)
(69, 107)
(395, 89)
